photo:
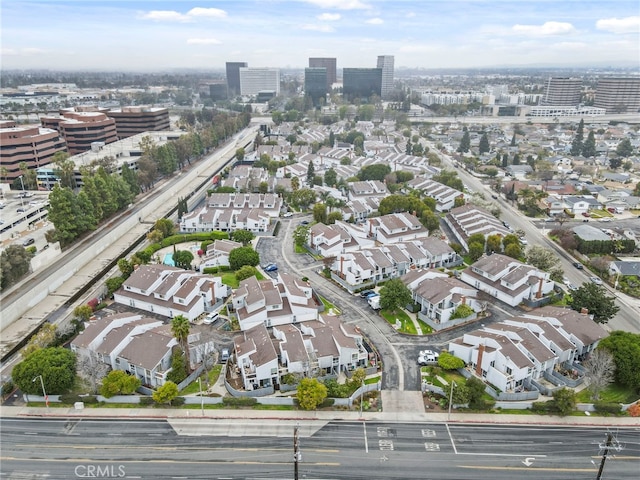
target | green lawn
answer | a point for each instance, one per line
(426, 329)
(406, 325)
(372, 380)
(329, 307)
(194, 387)
(614, 393)
(299, 249)
(229, 278)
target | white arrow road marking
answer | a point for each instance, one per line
(528, 461)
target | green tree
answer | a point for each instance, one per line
(300, 235)
(513, 250)
(615, 163)
(476, 389)
(430, 220)
(83, 312)
(125, 267)
(57, 366)
(333, 217)
(475, 251)
(494, 243)
(113, 284)
(311, 393)
(61, 207)
(484, 147)
(465, 142)
(377, 171)
(594, 298)
(302, 197)
(239, 257)
(320, 213)
(330, 177)
(576, 145)
(180, 330)
(183, 259)
(131, 178)
(311, 173)
(564, 400)
(165, 226)
(240, 154)
(246, 272)
(460, 396)
(448, 361)
(45, 337)
(624, 148)
(394, 294)
(243, 236)
(118, 382)
(589, 147)
(14, 264)
(179, 369)
(166, 393)
(541, 258)
(625, 348)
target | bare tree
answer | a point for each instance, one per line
(91, 369)
(600, 369)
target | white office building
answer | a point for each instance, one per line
(385, 62)
(256, 80)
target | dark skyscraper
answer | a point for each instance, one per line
(233, 77)
(315, 84)
(361, 82)
(330, 65)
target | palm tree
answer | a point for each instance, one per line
(180, 330)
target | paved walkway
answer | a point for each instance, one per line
(271, 415)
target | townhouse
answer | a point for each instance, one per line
(395, 227)
(468, 220)
(171, 291)
(217, 254)
(514, 354)
(508, 280)
(137, 345)
(272, 302)
(439, 296)
(444, 196)
(228, 212)
(320, 347)
(365, 189)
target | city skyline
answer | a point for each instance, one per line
(173, 34)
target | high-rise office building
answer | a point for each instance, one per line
(361, 82)
(330, 65)
(385, 62)
(562, 91)
(256, 80)
(618, 94)
(315, 84)
(233, 77)
(138, 119)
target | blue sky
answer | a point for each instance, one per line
(161, 35)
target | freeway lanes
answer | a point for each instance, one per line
(152, 449)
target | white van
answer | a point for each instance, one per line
(211, 318)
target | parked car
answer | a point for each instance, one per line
(224, 355)
(28, 241)
(596, 280)
(287, 215)
(606, 219)
(578, 265)
(271, 267)
(427, 357)
(366, 293)
(304, 222)
(211, 318)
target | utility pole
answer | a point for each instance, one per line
(611, 443)
(297, 456)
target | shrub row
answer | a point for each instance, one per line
(239, 401)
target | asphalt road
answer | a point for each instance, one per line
(250, 449)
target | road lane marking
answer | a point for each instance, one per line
(453, 444)
(185, 462)
(541, 469)
(366, 442)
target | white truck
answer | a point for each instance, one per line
(374, 302)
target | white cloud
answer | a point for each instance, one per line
(547, 28)
(318, 28)
(26, 51)
(166, 16)
(411, 15)
(340, 4)
(619, 25)
(329, 17)
(207, 12)
(375, 21)
(203, 41)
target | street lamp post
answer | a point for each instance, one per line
(44, 392)
(201, 397)
(361, 395)
(22, 197)
(453, 384)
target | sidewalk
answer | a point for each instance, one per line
(326, 416)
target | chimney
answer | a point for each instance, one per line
(341, 263)
(539, 294)
(464, 300)
(479, 361)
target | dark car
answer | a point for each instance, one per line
(578, 265)
(366, 293)
(28, 241)
(272, 267)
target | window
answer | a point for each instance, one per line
(508, 370)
